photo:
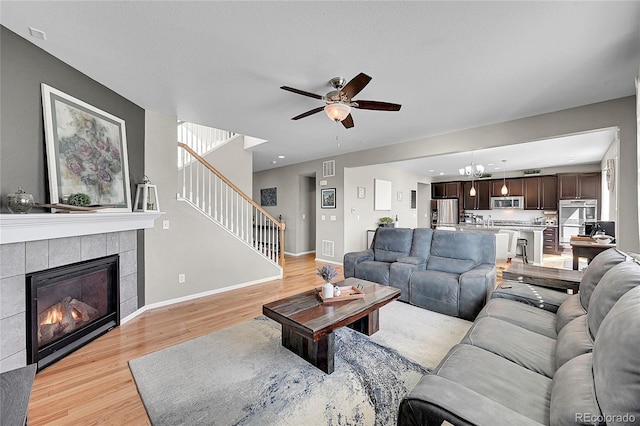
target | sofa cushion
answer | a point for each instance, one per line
(370, 270)
(574, 339)
(435, 290)
(526, 348)
(573, 396)
(570, 309)
(616, 282)
(421, 244)
(616, 369)
(391, 243)
(498, 379)
(525, 316)
(596, 270)
(446, 264)
(477, 246)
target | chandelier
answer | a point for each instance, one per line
(472, 170)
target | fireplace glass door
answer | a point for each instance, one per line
(69, 306)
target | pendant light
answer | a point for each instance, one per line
(472, 191)
(504, 190)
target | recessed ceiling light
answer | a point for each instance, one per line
(496, 168)
(441, 173)
(571, 160)
(431, 170)
(274, 162)
(39, 34)
(281, 156)
(489, 164)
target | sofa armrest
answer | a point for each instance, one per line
(436, 398)
(541, 297)
(476, 286)
(352, 259)
(419, 262)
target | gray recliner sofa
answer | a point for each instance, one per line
(449, 272)
(526, 364)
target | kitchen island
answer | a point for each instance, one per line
(531, 232)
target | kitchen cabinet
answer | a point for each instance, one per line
(550, 241)
(579, 185)
(482, 197)
(445, 190)
(548, 193)
(540, 193)
(531, 193)
(516, 186)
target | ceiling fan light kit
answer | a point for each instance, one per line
(337, 111)
(340, 101)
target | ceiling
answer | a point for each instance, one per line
(452, 65)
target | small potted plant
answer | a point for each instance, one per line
(328, 272)
(19, 202)
(79, 199)
(386, 222)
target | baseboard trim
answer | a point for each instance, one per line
(299, 254)
(164, 303)
(317, 259)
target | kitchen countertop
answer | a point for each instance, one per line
(495, 227)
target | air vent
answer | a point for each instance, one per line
(328, 248)
(329, 168)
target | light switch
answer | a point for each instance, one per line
(304, 216)
(322, 217)
(333, 217)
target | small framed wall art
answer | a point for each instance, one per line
(269, 197)
(328, 198)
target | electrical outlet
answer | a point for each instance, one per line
(165, 224)
(181, 278)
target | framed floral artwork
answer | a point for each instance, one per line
(86, 152)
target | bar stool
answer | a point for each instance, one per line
(522, 248)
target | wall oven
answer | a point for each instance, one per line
(573, 215)
(507, 202)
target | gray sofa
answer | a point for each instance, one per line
(525, 365)
(449, 272)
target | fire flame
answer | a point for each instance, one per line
(54, 316)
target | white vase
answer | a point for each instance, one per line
(336, 291)
(327, 290)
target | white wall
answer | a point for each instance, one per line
(359, 213)
(209, 256)
(609, 208)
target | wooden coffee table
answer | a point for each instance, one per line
(308, 324)
(563, 279)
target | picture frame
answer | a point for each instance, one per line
(382, 194)
(86, 152)
(328, 198)
(269, 197)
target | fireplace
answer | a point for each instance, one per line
(69, 306)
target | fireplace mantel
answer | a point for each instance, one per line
(44, 226)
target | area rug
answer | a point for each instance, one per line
(242, 375)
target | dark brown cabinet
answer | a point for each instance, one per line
(481, 200)
(550, 241)
(445, 190)
(532, 193)
(548, 193)
(516, 186)
(579, 185)
(540, 193)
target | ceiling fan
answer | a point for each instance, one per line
(340, 101)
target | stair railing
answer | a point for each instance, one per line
(210, 192)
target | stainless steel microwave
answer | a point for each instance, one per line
(507, 202)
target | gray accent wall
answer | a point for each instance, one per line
(23, 67)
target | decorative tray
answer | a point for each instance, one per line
(346, 293)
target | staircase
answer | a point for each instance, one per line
(218, 199)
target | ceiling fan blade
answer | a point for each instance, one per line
(308, 113)
(355, 85)
(301, 92)
(380, 106)
(348, 122)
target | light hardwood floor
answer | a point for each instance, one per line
(94, 385)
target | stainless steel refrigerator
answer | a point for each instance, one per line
(447, 211)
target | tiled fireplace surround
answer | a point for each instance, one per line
(22, 257)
